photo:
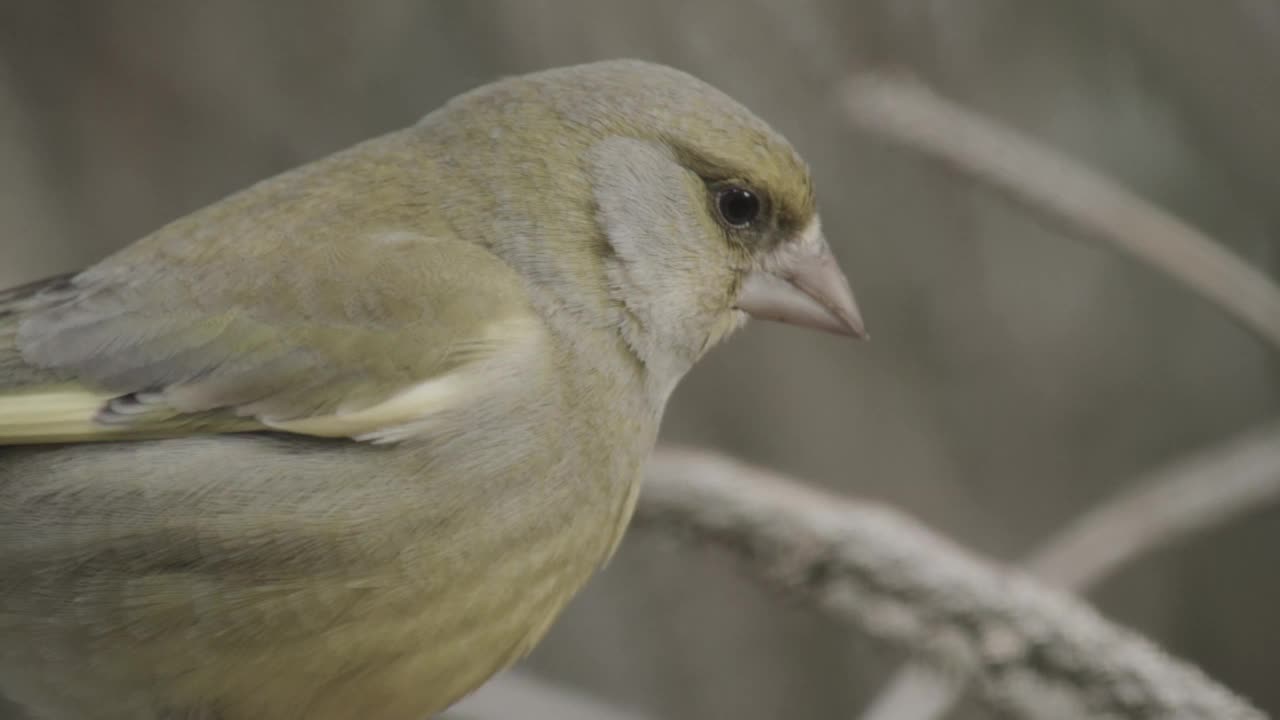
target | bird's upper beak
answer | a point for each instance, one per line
(802, 284)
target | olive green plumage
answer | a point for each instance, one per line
(346, 442)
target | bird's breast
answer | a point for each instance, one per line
(408, 641)
(424, 631)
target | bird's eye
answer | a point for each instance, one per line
(738, 206)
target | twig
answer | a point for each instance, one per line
(1197, 493)
(1048, 182)
(1026, 646)
(1200, 492)
(516, 694)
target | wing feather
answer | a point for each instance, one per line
(363, 348)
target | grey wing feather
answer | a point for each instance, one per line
(15, 372)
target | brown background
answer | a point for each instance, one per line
(1017, 376)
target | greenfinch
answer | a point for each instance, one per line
(344, 444)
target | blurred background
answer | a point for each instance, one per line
(1017, 376)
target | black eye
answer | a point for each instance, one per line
(739, 207)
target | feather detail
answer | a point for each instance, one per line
(374, 348)
(418, 401)
(73, 413)
(503, 351)
(51, 414)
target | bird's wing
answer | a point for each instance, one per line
(366, 339)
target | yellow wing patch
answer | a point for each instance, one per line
(493, 358)
(59, 414)
(412, 405)
(71, 413)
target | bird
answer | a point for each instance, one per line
(345, 443)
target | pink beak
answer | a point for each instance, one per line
(805, 287)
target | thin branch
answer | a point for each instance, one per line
(1027, 647)
(1050, 183)
(915, 692)
(516, 694)
(1195, 494)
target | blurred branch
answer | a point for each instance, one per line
(1054, 185)
(1026, 647)
(515, 694)
(1197, 493)
(1201, 492)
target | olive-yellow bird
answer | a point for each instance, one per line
(343, 445)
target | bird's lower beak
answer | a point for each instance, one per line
(804, 286)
